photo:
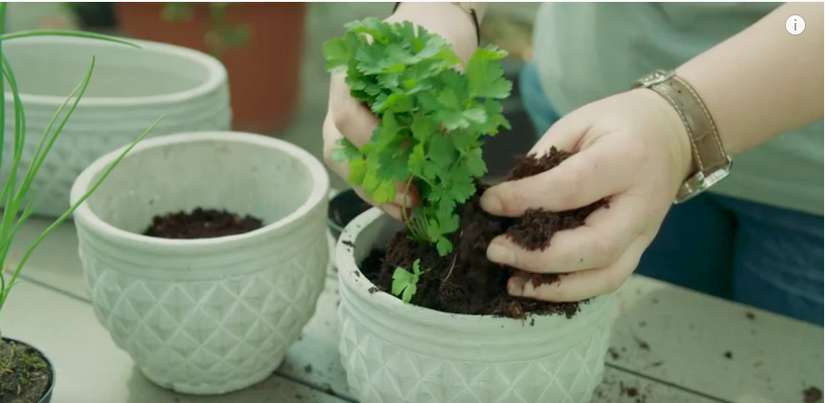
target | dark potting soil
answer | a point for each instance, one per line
(24, 374)
(465, 281)
(201, 223)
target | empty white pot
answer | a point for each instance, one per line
(401, 353)
(205, 316)
(129, 89)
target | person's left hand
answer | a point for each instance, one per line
(632, 148)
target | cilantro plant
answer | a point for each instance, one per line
(405, 283)
(433, 110)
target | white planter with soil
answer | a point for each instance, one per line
(395, 352)
(207, 315)
(130, 89)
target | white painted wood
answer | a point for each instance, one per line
(772, 358)
(91, 369)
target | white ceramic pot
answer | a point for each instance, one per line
(129, 89)
(205, 316)
(401, 353)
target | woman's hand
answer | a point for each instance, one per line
(632, 148)
(347, 118)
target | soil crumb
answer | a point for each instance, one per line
(812, 395)
(201, 223)
(465, 281)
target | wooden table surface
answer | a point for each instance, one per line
(669, 344)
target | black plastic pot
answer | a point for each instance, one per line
(95, 16)
(343, 208)
(47, 395)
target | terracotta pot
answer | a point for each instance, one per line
(263, 73)
(395, 352)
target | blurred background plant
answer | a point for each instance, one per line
(295, 77)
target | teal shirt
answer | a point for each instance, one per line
(588, 51)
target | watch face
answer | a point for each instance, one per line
(660, 77)
(654, 78)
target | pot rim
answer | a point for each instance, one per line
(216, 71)
(86, 179)
(53, 380)
(355, 281)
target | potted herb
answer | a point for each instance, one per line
(128, 92)
(205, 254)
(424, 315)
(260, 44)
(26, 374)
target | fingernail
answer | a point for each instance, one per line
(500, 254)
(515, 286)
(491, 203)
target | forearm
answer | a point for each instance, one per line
(763, 81)
(446, 19)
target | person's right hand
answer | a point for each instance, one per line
(347, 118)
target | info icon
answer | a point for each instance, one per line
(795, 25)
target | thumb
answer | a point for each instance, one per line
(354, 120)
(558, 189)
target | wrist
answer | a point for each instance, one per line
(679, 148)
(448, 20)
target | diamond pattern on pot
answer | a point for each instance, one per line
(76, 148)
(209, 333)
(379, 371)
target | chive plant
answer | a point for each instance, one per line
(13, 194)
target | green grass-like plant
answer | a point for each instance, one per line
(13, 194)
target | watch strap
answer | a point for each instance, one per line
(708, 153)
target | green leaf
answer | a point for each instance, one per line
(475, 163)
(336, 54)
(485, 75)
(345, 152)
(409, 292)
(462, 188)
(442, 152)
(385, 192)
(356, 171)
(423, 128)
(475, 115)
(443, 246)
(404, 283)
(417, 160)
(370, 182)
(452, 119)
(400, 280)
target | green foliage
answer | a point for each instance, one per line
(13, 195)
(431, 118)
(405, 283)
